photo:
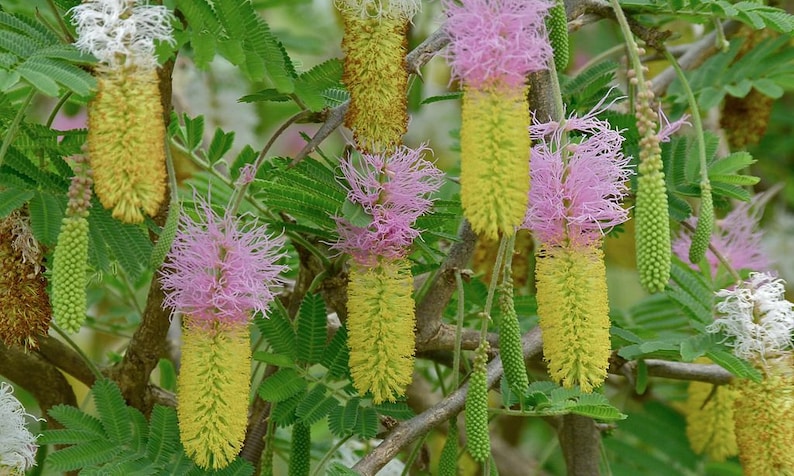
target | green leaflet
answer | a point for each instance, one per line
(120, 441)
(311, 329)
(234, 29)
(32, 53)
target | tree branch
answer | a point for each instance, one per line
(428, 311)
(60, 355)
(709, 373)
(35, 374)
(408, 431)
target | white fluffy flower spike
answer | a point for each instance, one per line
(17, 445)
(756, 317)
(122, 32)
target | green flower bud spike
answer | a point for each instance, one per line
(702, 235)
(479, 441)
(70, 260)
(300, 455)
(448, 461)
(510, 340)
(557, 26)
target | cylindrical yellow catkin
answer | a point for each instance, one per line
(126, 143)
(494, 170)
(574, 315)
(380, 326)
(709, 420)
(764, 416)
(212, 388)
(69, 280)
(23, 295)
(377, 78)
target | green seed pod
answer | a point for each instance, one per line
(300, 457)
(702, 235)
(448, 462)
(479, 441)
(510, 342)
(70, 263)
(557, 26)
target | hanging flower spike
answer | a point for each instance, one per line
(710, 419)
(758, 322)
(17, 445)
(577, 187)
(70, 259)
(126, 132)
(218, 273)
(493, 47)
(393, 190)
(737, 237)
(375, 73)
(23, 289)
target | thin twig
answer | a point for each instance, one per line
(408, 431)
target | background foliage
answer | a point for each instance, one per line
(242, 70)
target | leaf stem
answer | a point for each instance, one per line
(239, 192)
(88, 362)
(13, 129)
(57, 108)
(497, 267)
(329, 454)
(458, 331)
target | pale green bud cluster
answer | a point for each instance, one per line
(69, 274)
(510, 342)
(70, 261)
(479, 441)
(651, 210)
(557, 26)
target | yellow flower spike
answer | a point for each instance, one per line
(494, 176)
(764, 415)
(213, 388)
(380, 326)
(709, 420)
(574, 314)
(126, 143)
(376, 76)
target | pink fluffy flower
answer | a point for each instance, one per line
(219, 269)
(393, 190)
(737, 237)
(496, 42)
(578, 175)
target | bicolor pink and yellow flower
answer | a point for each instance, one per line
(393, 190)
(493, 47)
(579, 178)
(219, 272)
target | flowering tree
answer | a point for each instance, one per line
(363, 236)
